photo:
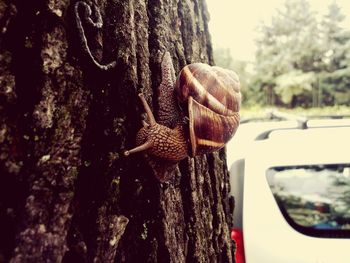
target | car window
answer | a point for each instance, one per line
(314, 199)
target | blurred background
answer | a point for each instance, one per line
(293, 55)
(293, 60)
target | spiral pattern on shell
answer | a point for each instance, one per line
(213, 98)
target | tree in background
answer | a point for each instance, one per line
(335, 39)
(335, 78)
(301, 61)
(290, 43)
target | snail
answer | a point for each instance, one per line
(198, 114)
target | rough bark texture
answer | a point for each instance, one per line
(70, 73)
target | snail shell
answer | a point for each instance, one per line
(213, 99)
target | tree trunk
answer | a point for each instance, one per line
(70, 73)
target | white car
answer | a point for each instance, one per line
(292, 191)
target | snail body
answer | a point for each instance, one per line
(198, 112)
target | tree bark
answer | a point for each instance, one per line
(70, 73)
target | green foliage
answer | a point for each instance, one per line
(301, 58)
(337, 83)
(294, 83)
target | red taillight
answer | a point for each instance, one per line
(237, 236)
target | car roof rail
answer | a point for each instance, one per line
(301, 120)
(275, 114)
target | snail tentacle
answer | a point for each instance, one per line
(150, 115)
(210, 98)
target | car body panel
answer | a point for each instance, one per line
(268, 237)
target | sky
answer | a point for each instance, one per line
(232, 22)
